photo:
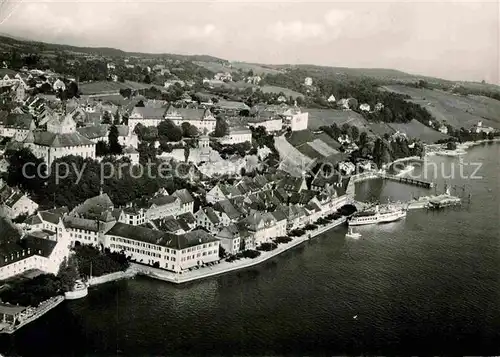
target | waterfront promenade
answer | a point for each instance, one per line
(224, 266)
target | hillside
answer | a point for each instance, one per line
(456, 110)
(105, 87)
(287, 92)
(7, 42)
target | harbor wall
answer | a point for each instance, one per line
(225, 267)
(97, 280)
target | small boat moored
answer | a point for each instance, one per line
(352, 234)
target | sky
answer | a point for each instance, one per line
(452, 40)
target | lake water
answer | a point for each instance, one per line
(427, 284)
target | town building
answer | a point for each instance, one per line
(479, 128)
(15, 203)
(236, 136)
(147, 116)
(61, 139)
(43, 250)
(162, 206)
(272, 124)
(203, 120)
(163, 250)
(223, 76)
(308, 81)
(364, 107)
(208, 219)
(230, 239)
(16, 126)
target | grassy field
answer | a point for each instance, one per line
(416, 129)
(215, 67)
(256, 68)
(287, 92)
(320, 117)
(235, 66)
(109, 87)
(458, 111)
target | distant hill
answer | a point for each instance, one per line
(9, 41)
(454, 109)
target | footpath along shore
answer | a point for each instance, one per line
(221, 268)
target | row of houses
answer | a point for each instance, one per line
(164, 232)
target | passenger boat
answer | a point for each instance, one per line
(384, 214)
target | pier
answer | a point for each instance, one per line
(376, 174)
(407, 180)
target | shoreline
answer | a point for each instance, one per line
(222, 268)
(440, 149)
(226, 267)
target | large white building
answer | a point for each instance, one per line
(271, 124)
(163, 250)
(96, 133)
(237, 136)
(299, 121)
(61, 139)
(202, 119)
(147, 116)
(39, 248)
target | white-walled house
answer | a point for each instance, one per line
(230, 239)
(262, 228)
(16, 126)
(237, 136)
(18, 203)
(163, 206)
(208, 219)
(270, 124)
(299, 121)
(187, 201)
(364, 107)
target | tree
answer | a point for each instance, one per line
(106, 118)
(101, 148)
(72, 90)
(363, 139)
(189, 130)
(168, 130)
(23, 170)
(451, 145)
(147, 79)
(354, 133)
(117, 118)
(114, 146)
(68, 273)
(126, 92)
(221, 128)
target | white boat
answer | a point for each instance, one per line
(352, 234)
(451, 153)
(80, 290)
(384, 214)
